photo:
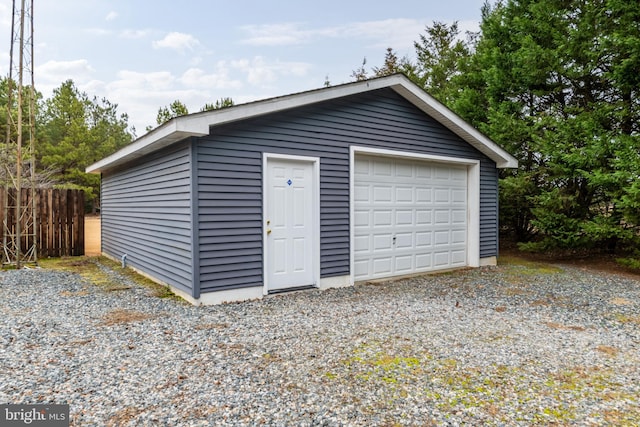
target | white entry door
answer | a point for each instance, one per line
(290, 224)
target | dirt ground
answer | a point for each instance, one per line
(595, 262)
(598, 262)
(91, 235)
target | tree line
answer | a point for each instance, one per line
(554, 82)
(74, 131)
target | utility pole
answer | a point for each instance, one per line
(19, 221)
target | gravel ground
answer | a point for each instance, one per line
(510, 345)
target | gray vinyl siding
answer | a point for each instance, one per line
(146, 214)
(488, 210)
(229, 177)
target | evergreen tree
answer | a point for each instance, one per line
(74, 132)
(219, 104)
(558, 86)
(360, 73)
(555, 82)
(393, 65)
(441, 57)
(175, 109)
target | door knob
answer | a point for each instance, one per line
(268, 231)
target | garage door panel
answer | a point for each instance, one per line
(362, 244)
(458, 237)
(404, 195)
(459, 257)
(442, 195)
(441, 173)
(382, 218)
(361, 268)
(459, 175)
(404, 241)
(424, 216)
(459, 196)
(410, 216)
(458, 216)
(442, 216)
(441, 259)
(404, 264)
(382, 266)
(423, 171)
(424, 239)
(424, 195)
(382, 169)
(362, 167)
(362, 218)
(423, 262)
(361, 193)
(441, 237)
(404, 217)
(382, 242)
(404, 170)
(382, 194)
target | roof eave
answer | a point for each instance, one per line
(457, 125)
(174, 130)
(198, 124)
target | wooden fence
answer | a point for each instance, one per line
(59, 221)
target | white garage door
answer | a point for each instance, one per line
(410, 216)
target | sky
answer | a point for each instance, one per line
(144, 54)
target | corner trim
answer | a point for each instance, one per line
(195, 223)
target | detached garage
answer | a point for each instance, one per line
(362, 181)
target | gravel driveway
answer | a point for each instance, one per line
(510, 345)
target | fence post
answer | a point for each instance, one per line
(50, 214)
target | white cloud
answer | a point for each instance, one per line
(154, 81)
(177, 41)
(218, 79)
(398, 33)
(98, 31)
(55, 72)
(5, 16)
(275, 34)
(134, 34)
(111, 16)
(259, 72)
(141, 94)
(93, 88)
(52, 74)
